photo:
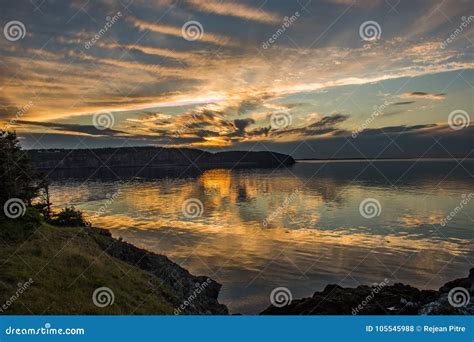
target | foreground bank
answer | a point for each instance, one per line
(63, 271)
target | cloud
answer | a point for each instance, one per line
(176, 32)
(235, 10)
(73, 128)
(327, 125)
(241, 125)
(395, 129)
(420, 141)
(154, 51)
(423, 95)
(329, 121)
(404, 103)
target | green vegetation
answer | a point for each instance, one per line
(66, 266)
(29, 188)
(50, 270)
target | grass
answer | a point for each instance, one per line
(66, 265)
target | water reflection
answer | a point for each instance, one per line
(320, 236)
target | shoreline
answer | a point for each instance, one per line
(385, 298)
(199, 294)
(456, 297)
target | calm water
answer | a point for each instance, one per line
(315, 233)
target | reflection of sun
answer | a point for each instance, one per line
(217, 181)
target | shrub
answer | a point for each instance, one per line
(69, 217)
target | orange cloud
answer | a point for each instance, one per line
(176, 32)
(235, 10)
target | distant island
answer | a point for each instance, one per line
(154, 157)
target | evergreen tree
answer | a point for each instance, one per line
(18, 178)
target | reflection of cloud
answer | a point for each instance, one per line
(420, 220)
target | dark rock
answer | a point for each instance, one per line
(383, 299)
(196, 295)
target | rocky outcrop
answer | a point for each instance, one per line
(153, 157)
(454, 298)
(195, 295)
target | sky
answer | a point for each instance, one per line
(314, 79)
